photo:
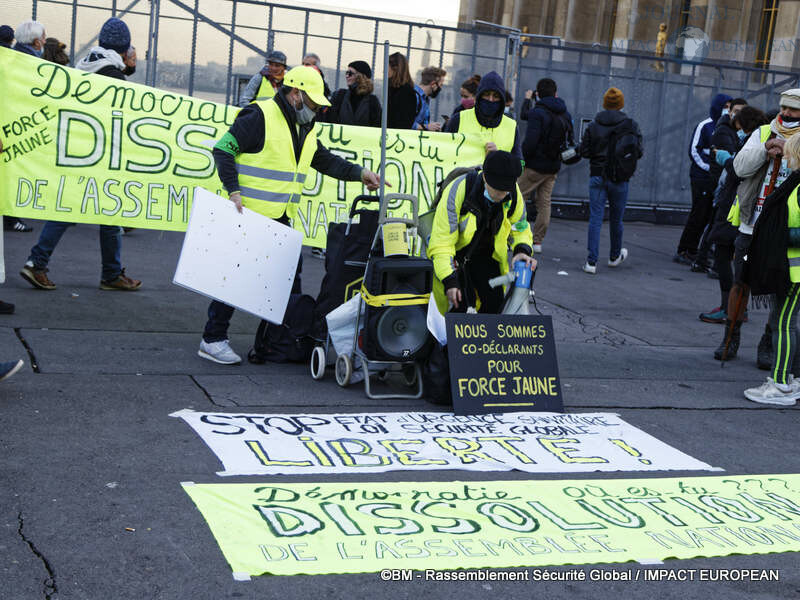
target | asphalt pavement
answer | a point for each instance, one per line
(88, 451)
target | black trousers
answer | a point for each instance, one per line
(699, 216)
(474, 279)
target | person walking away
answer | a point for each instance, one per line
(613, 143)
(262, 162)
(267, 81)
(700, 181)
(113, 57)
(549, 127)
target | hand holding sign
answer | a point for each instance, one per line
(236, 198)
(371, 180)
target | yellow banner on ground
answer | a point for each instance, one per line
(287, 529)
(85, 148)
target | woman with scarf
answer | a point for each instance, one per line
(355, 104)
(486, 119)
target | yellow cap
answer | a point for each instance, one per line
(308, 80)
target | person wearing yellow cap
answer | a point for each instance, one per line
(262, 161)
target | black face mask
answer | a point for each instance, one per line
(435, 92)
(488, 108)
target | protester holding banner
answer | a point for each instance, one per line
(263, 161)
(479, 214)
(355, 104)
(114, 57)
(486, 119)
(267, 81)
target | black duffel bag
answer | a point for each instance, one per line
(290, 341)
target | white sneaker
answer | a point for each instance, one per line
(591, 269)
(219, 352)
(623, 254)
(537, 248)
(783, 394)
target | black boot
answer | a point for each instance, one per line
(733, 346)
(765, 353)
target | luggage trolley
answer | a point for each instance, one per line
(392, 336)
(347, 252)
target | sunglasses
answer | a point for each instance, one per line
(349, 73)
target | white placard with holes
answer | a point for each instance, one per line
(245, 260)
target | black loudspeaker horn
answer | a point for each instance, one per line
(397, 333)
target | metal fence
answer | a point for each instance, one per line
(667, 97)
(204, 47)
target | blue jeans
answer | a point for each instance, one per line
(110, 244)
(600, 190)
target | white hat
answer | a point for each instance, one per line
(791, 98)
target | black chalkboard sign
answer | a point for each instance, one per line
(502, 363)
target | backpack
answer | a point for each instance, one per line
(291, 340)
(623, 152)
(425, 225)
(556, 139)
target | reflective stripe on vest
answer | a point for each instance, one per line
(271, 181)
(502, 135)
(265, 90)
(452, 213)
(792, 221)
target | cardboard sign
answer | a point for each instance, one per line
(502, 363)
(243, 259)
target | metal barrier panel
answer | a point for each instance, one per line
(667, 98)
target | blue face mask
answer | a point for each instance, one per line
(741, 134)
(488, 108)
(725, 111)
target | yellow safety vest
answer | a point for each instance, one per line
(733, 214)
(265, 90)
(453, 231)
(271, 181)
(502, 135)
(793, 221)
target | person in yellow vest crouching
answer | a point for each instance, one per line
(486, 119)
(773, 267)
(262, 162)
(480, 217)
(267, 81)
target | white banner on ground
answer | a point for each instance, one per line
(259, 444)
(243, 259)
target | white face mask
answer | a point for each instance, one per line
(304, 115)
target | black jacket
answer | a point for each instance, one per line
(538, 154)
(723, 138)
(594, 144)
(401, 107)
(348, 108)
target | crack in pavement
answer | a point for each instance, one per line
(600, 333)
(49, 583)
(28, 349)
(205, 392)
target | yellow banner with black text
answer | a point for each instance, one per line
(85, 148)
(353, 527)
